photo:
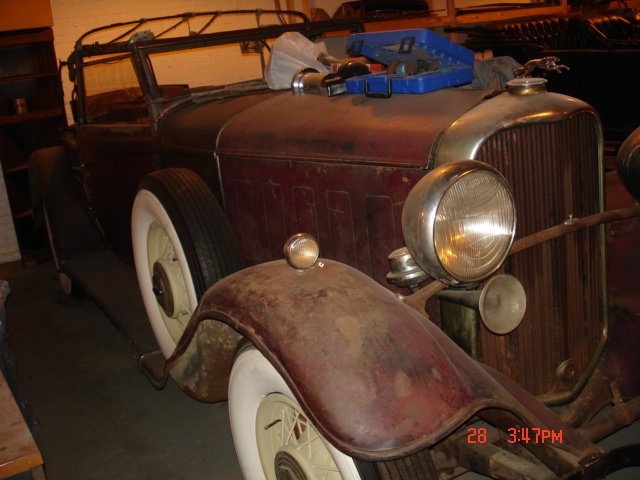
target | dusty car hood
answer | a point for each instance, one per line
(194, 127)
(351, 128)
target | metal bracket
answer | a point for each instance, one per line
(251, 47)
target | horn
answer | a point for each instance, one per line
(501, 303)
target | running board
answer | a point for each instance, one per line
(113, 286)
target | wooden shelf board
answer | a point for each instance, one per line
(29, 77)
(25, 214)
(31, 116)
(508, 14)
(19, 168)
(428, 21)
(46, 35)
(18, 450)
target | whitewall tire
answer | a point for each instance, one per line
(182, 244)
(270, 430)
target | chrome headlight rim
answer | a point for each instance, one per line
(419, 220)
(301, 251)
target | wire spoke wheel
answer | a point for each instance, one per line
(182, 244)
(274, 438)
(289, 441)
(168, 282)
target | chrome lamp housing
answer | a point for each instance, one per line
(301, 251)
(459, 222)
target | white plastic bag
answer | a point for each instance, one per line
(289, 53)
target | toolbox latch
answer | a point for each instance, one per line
(406, 45)
(369, 94)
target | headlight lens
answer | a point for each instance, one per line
(459, 222)
(301, 251)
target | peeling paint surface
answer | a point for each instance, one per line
(350, 328)
(402, 385)
(378, 379)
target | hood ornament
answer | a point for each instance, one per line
(548, 64)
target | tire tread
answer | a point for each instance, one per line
(211, 249)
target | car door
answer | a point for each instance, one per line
(115, 150)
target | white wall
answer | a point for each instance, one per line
(9, 250)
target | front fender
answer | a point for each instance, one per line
(377, 378)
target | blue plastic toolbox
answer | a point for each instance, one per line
(441, 63)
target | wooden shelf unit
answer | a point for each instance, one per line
(32, 116)
(454, 17)
(18, 451)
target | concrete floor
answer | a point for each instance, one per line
(99, 417)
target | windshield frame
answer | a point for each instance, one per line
(142, 44)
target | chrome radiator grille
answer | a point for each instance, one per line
(553, 171)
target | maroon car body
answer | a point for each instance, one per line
(394, 378)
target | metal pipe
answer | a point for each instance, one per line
(620, 416)
(419, 299)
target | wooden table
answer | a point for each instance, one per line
(18, 450)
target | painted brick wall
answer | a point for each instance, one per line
(9, 250)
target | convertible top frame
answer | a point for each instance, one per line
(139, 44)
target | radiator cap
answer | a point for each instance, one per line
(527, 86)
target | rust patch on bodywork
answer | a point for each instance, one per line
(402, 384)
(350, 328)
(203, 369)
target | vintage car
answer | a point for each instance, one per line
(369, 361)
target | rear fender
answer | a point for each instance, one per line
(377, 378)
(72, 231)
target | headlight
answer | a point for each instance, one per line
(301, 251)
(459, 222)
